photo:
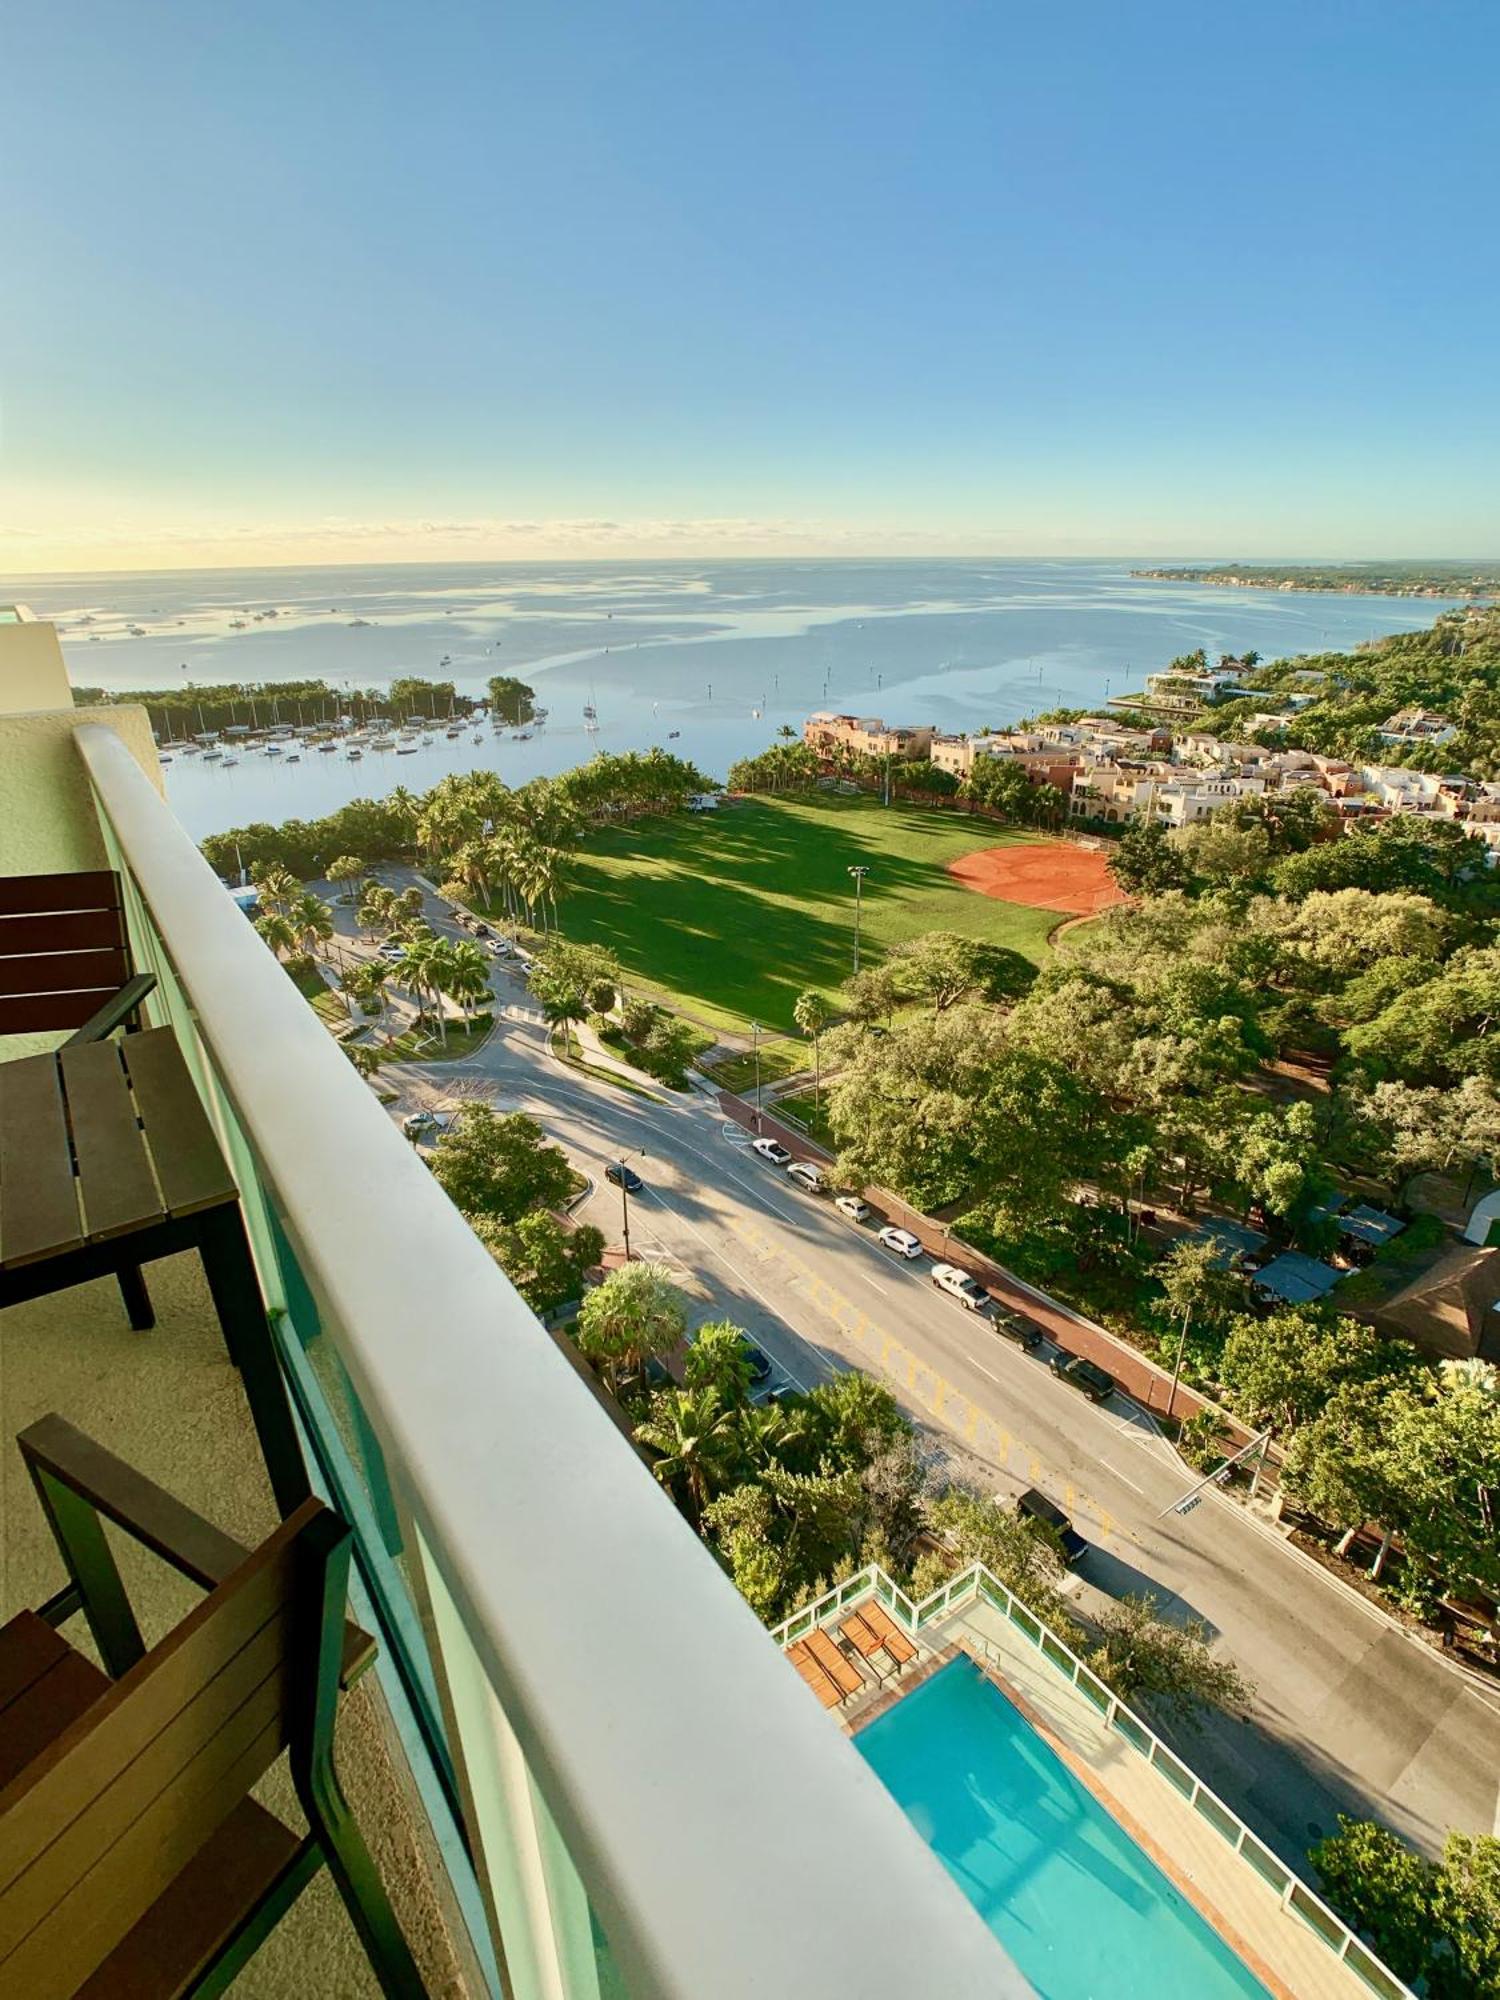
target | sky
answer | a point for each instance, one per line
(320, 282)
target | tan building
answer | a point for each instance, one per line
(1043, 761)
(867, 736)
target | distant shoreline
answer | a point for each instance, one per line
(1355, 580)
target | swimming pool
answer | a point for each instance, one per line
(1079, 1907)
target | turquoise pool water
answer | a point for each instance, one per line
(1076, 1903)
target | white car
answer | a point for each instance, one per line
(852, 1206)
(769, 1150)
(501, 947)
(959, 1285)
(393, 953)
(900, 1240)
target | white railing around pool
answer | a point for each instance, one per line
(978, 1582)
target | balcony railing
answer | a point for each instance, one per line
(979, 1583)
(630, 1791)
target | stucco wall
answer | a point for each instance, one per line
(47, 819)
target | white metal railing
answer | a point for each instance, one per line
(617, 1709)
(979, 1582)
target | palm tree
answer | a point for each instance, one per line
(278, 933)
(693, 1437)
(634, 1315)
(469, 975)
(812, 1014)
(277, 885)
(345, 868)
(311, 919)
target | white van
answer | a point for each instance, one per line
(806, 1175)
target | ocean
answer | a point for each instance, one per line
(704, 658)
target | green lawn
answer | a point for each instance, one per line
(733, 914)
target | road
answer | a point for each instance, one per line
(1351, 1714)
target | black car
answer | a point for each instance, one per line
(1085, 1375)
(1035, 1506)
(481, 930)
(1013, 1325)
(620, 1176)
(760, 1364)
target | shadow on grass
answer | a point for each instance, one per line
(748, 910)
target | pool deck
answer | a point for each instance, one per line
(1274, 1942)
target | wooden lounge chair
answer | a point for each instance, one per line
(825, 1689)
(133, 1860)
(890, 1635)
(839, 1668)
(865, 1640)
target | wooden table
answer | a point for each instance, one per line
(108, 1162)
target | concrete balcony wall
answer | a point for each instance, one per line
(47, 819)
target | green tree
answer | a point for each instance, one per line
(634, 1316)
(1144, 861)
(943, 968)
(1024, 1555)
(1383, 1889)
(717, 1359)
(545, 1261)
(277, 931)
(499, 1163)
(691, 1436)
(277, 885)
(1281, 1368)
(512, 701)
(1196, 1285)
(345, 868)
(812, 1014)
(1170, 1669)
(311, 920)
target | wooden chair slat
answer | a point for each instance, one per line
(42, 1013)
(234, 1709)
(99, 972)
(48, 1707)
(88, 889)
(179, 1937)
(59, 1785)
(115, 1182)
(37, 1189)
(68, 1945)
(29, 1648)
(64, 930)
(190, 1167)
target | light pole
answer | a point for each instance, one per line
(638, 1154)
(755, 1031)
(859, 875)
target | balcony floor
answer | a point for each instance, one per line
(169, 1403)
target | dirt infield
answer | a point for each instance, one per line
(1048, 875)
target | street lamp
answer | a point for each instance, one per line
(755, 1031)
(859, 875)
(638, 1154)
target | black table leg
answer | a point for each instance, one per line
(137, 1298)
(235, 1289)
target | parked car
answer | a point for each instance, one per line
(501, 947)
(1085, 1375)
(1035, 1506)
(481, 930)
(392, 953)
(418, 1125)
(851, 1205)
(769, 1150)
(620, 1176)
(900, 1240)
(806, 1175)
(959, 1285)
(1013, 1325)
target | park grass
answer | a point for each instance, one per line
(730, 915)
(811, 1114)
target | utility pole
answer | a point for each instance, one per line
(859, 875)
(755, 1031)
(639, 1154)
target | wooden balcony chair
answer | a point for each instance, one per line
(65, 958)
(134, 1864)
